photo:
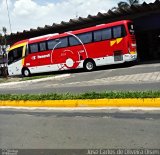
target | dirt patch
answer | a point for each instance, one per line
(10, 79)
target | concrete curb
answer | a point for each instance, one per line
(36, 80)
(155, 102)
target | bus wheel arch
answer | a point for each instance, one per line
(89, 64)
(26, 72)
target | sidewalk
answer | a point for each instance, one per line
(144, 77)
(34, 81)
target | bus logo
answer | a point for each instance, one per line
(33, 57)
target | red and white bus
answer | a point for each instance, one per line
(87, 48)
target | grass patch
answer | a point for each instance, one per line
(15, 79)
(91, 95)
(35, 77)
(2, 80)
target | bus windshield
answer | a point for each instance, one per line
(15, 55)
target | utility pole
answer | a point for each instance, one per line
(9, 17)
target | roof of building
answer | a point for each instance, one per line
(131, 12)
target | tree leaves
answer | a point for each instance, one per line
(124, 4)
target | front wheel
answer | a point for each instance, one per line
(89, 65)
(26, 72)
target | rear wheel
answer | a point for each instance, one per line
(89, 65)
(26, 72)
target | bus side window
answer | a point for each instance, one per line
(63, 42)
(119, 31)
(106, 34)
(97, 35)
(33, 48)
(85, 37)
(42, 46)
(51, 44)
(73, 41)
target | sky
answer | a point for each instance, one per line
(27, 14)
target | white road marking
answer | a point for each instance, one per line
(83, 108)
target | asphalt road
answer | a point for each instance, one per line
(85, 129)
(134, 78)
(32, 89)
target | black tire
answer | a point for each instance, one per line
(89, 65)
(26, 72)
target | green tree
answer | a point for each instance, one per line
(4, 29)
(3, 58)
(126, 4)
(1, 38)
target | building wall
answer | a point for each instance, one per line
(148, 36)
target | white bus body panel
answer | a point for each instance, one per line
(15, 68)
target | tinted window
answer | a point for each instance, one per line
(10, 57)
(15, 55)
(106, 34)
(97, 35)
(33, 48)
(103, 34)
(85, 37)
(42, 46)
(52, 43)
(118, 31)
(73, 41)
(63, 42)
